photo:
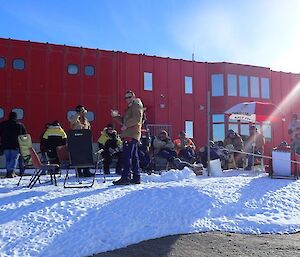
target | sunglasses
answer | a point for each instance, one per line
(128, 97)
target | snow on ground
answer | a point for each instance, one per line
(53, 221)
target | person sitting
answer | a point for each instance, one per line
(185, 147)
(111, 143)
(255, 145)
(214, 153)
(235, 140)
(53, 136)
(164, 148)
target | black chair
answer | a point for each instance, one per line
(81, 157)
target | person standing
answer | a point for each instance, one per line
(294, 124)
(255, 145)
(9, 132)
(131, 133)
(79, 121)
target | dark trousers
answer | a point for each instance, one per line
(167, 154)
(131, 160)
(107, 156)
(187, 154)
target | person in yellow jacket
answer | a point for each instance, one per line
(54, 136)
(111, 144)
(185, 147)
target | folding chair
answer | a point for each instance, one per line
(39, 168)
(81, 156)
(63, 157)
(24, 143)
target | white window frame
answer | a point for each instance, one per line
(189, 128)
(188, 84)
(148, 81)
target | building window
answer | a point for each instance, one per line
(73, 69)
(188, 85)
(232, 124)
(20, 113)
(1, 113)
(254, 87)
(217, 85)
(218, 127)
(265, 88)
(89, 115)
(89, 70)
(148, 81)
(243, 86)
(18, 64)
(267, 130)
(189, 129)
(244, 129)
(2, 62)
(232, 84)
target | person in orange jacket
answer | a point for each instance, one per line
(185, 147)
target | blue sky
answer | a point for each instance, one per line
(256, 32)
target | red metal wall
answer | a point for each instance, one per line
(46, 92)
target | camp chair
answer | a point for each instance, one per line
(81, 156)
(63, 157)
(39, 168)
(24, 143)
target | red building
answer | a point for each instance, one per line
(44, 82)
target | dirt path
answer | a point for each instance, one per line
(213, 244)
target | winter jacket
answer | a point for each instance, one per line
(237, 142)
(111, 140)
(54, 136)
(159, 144)
(9, 132)
(132, 119)
(182, 143)
(76, 124)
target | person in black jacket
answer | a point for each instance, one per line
(9, 132)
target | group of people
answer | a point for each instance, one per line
(126, 147)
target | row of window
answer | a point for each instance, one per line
(18, 64)
(236, 85)
(20, 114)
(242, 128)
(241, 85)
(73, 69)
(218, 128)
(148, 83)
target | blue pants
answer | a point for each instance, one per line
(11, 158)
(131, 160)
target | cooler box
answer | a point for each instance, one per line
(282, 167)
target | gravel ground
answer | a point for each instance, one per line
(213, 244)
